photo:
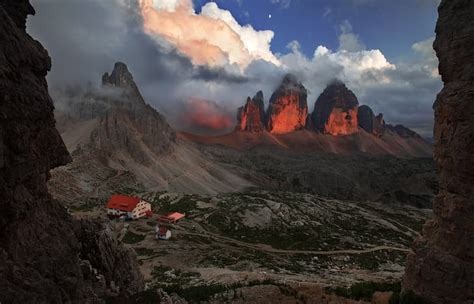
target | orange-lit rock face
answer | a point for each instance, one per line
(287, 114)
(288, 109)
(251, 116)
(342, 122)
(336, 111)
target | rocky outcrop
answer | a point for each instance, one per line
(369, 122)
(251, 117)
(335, 111)
(128, 114)
(441, 269)
(44, 257)
(403, 131)
(288, 108)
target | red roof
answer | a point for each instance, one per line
(123, 202)
(170, 217)
(162, 230)
(176, 216)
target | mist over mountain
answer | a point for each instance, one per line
(170, 74)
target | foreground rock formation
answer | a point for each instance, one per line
(288, 109)
(251, 117)
(46, 256)
(441, 269)
(335, 111)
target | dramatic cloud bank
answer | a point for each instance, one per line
(207, 62)
(212, 37)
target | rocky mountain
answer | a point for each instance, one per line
(441, 269)
(116, 138)
(369, 122)
(335, 110)
(337, 125)
(251, 117)
(47, 256)
(288, 108)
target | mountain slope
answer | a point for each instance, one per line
(114, 129)
(307, 141)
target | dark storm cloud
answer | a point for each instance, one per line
(407, 100)
(85, 38)
(218, 75)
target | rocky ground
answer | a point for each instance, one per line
(360, 177)
(234, 247)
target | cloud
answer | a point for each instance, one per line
(327, 11)
(404, 92)
(348, 41)
(85, 38)
(216, 38)
(284, 4)
(203, 117)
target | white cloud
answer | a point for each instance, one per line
(282, 3)
(257, 43)
(212, 37)
(169, 5)
(348, 41)
(404, 91)
(327, 11)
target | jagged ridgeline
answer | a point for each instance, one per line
(336, 112)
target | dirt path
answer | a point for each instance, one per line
(268, 248)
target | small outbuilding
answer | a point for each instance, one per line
(128, 207)
(162, 233)
(171, 218)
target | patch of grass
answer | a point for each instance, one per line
(144, 251)
(408, 297)
(88, 205)
(132, 238)
(202, 293)
(365, 290)
(166, 276)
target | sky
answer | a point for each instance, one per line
(197, 61)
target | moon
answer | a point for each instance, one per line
(270, 16)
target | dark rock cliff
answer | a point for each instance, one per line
(251, 116)
(369, 122)
(335, 110)
(45, 255)
(288, 108)
(441, 269)
(128, 114)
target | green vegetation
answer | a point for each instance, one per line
(132, 238)
(165, 276)
(408, 297)
(365, 290)
(144, 251)
(89, 205)
(200, 293)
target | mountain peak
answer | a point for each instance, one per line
(123, 79)
(335, 110)
(251, 116)
(120, 77)
(288, 108)
(336, 83)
